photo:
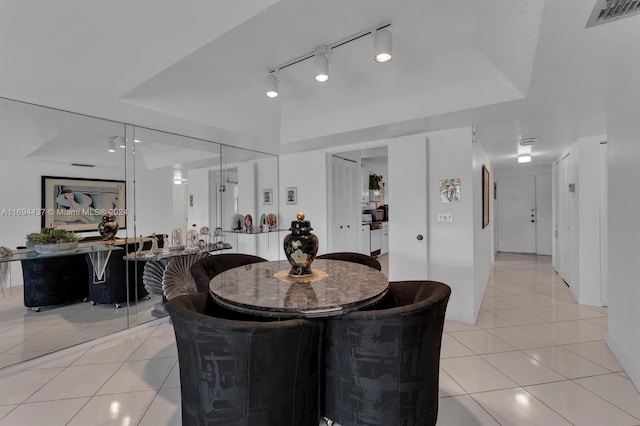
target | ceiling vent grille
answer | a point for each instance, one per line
(611, 10)
(82, 165)
(530, 141)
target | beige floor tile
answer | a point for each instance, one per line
(615, 389)
(580, 406)
(453, 348)
(597, 352)
(565, 362)
(475, 374)
(463, 411)
(481, 342)
(522, 369)
(519, 408)
(519, 338)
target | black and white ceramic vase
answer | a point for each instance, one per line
(108, 228)
(300, 247)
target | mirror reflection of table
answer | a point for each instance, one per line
(266, 289)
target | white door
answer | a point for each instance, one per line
(344, 202)
(516, 206)
(408, 244)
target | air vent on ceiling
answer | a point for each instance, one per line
(530, 141)
(82, 165)
(610, 10)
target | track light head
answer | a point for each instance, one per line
(111, 145)
(271, 85)
(382, 40)
(321, 64)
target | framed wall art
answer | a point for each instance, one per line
(79, 204)
(449, 190)
(486, 200)
(292, 195)
(267, 196)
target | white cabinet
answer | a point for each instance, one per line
(365, 240)
(345, 214)
(376, 242)
(385, 238)
(242, 242)
(269, 245)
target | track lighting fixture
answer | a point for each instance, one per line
(382, 41)
(111, 145)
(321, 55)
(321, 64)
(271, 85)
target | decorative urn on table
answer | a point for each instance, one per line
(108, 228)
(300, 247)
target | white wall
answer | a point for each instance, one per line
(483, 242)
(583, 217)
(451, 245)
(624, 233)
(544, 230)
(308, 172)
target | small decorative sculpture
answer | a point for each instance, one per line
(154, 243)
(108, 228)
(300, 247)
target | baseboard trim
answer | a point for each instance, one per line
(634, 375)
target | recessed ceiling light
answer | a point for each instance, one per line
(526, 158)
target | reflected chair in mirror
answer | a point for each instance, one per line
(382, 364)
(348, 256)
(177, 279)
(207, 268)
(238, 369)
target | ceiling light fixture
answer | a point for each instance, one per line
(524, 158)
(111, 145)
(321, 64)
(271, 85)
(321, 55)
(121, 141)
(382, 41)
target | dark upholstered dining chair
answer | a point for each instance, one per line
(382, 364)
(237, 369)
(205, 269)
(348, 256)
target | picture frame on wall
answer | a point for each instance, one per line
(449, 190)
(485, 196)
(79, 204)
(292, 195)
(267, 197)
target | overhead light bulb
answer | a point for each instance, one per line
(383, 46)
(122, 142)
(111, 145)
(271, 86)
(525, 158)
(321, 64)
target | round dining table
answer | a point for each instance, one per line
(266, 289)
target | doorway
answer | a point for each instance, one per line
(516, 211)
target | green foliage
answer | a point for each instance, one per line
(374, 181)
(52, 236)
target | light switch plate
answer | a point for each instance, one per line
(446, 217)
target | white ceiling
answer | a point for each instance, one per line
(512, 68)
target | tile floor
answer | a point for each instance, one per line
(534, 358)
(26, 334)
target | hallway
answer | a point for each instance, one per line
(534, 358)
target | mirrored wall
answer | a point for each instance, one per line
(180, 193)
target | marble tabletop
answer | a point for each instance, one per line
(264, 288)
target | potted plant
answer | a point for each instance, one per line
(52, 240)
(374, 181)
